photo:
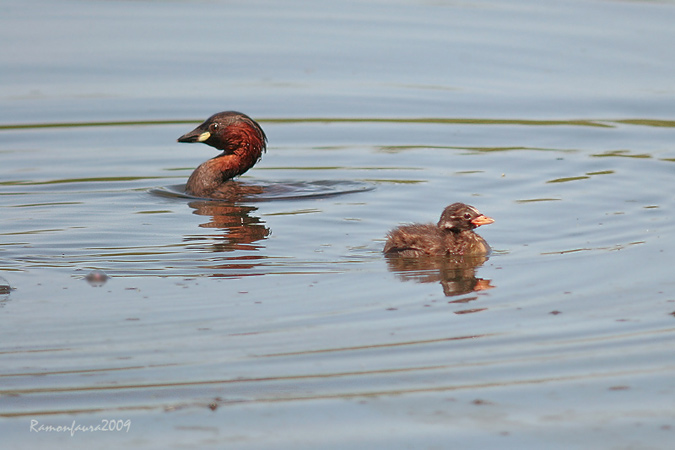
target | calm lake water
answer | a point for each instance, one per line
(276, 322)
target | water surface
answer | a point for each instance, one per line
(276, 322)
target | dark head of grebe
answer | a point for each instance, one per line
(240, 138)
(453, 234)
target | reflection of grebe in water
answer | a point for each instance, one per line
(449, 252)
(452, 235)
(242, 141)
(241, 226)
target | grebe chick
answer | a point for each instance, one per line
(452, 235)
(239, 137)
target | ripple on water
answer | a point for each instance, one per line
(260, 191)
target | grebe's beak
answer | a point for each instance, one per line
(196, 135)
(482, 220)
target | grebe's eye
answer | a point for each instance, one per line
(467, 216)
(213, 127)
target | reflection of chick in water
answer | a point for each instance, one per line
(449, 251)
(456, 273)
(242, 228)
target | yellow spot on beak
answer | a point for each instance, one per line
(204, 136)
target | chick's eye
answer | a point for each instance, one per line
(467, 216)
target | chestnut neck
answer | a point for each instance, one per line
(242, 146)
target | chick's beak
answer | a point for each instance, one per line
(482, 220)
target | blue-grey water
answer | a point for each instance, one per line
(276, 322)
